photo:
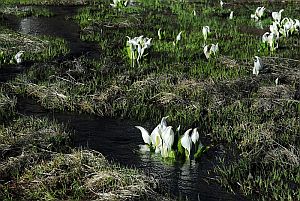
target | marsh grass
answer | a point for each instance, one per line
(38, 163)
(26, 141)
(256, 120)
(35, 48)
(25, 11)
(81, 174)
(7, 105)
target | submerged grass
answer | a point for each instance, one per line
(256, 120)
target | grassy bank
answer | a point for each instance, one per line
(36, 49)
(38, 163)
(25, 11)
(7, 106)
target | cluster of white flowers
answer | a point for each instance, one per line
(259, 12)
(280, 28)
(162, 138)
(137, 47)
(119, 3)
(214, 48)
(211, 49)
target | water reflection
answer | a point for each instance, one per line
(119, 141)
(60, 25)
(25, 25)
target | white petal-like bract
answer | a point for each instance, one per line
(186, 141)
(145, 134)
(195, 136)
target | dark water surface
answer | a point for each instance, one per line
(60, 25)
(117, 139)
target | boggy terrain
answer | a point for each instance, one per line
(253, 118)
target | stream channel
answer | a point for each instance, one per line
(116, 139)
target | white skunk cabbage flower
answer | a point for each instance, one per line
(159, 34)
(138, 45)
(132, 42)
(258, 13)
(231, 15)
(265, 37)
(163, 122)
(277, 15)
(286, 26)
(206, 51)
(186, 142)
(178, 37)
(157, 135)
(274, 29)
(270, 39)
(195, 136)
(258, 65)
(297, 25)
(276, 81)
(145, 135)
(156, 139)
(118, 3)
(205, 32)
(168, 138)
(214, 48)
(115, 3)
(18, 56)
(221, 4)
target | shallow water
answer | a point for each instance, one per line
(60, 25)
(117, 139)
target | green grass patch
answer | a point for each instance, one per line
(7, 105)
